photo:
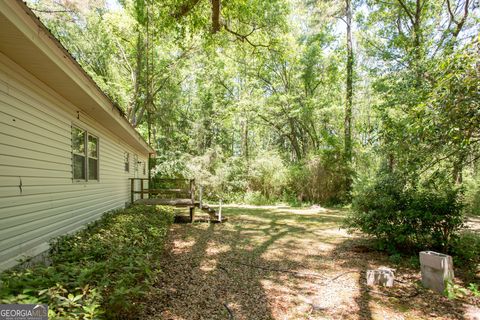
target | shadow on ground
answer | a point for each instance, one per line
(280, 263)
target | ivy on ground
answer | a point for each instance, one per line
(103, 270)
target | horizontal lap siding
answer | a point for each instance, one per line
(38, 198)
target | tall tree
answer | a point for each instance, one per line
(349, 91)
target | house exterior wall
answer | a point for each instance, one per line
(39, 199)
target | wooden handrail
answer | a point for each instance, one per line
(168, 179)
(189, 191)
(163, 179)
(158, 191)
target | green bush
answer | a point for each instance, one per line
(320, 178)
(258, 181)
(256, 198)
(104, 269)
(466, 249)
(472, 195)
(406, 217)
(268, 175)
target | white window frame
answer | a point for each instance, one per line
(126, 162)
(86, 155)
(135, 163)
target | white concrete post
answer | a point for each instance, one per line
(220, 211)
(382, 277)
(200, 197)
(437, 269)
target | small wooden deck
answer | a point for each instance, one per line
(171, 192)
(168, 202)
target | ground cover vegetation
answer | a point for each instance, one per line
(371, 103)
(102, 271)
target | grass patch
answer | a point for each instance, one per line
(102, 271)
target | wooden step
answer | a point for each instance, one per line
(211, 212)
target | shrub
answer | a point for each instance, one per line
(268, 175)
(233, 176)
(472, 195)
(320, 178)
(103, 269)
(257, 198)
(466, 249)
(405, 217)
(219, 176)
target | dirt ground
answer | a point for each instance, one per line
(284, 263)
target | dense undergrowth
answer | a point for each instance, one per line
(101, 271)
(264, 179)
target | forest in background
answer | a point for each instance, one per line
(369, 102)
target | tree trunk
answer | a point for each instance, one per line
(294, 140)
(457, 172)
(391, 162)
(349, 93)
(245, 140)
(216, 16)
(417, 43)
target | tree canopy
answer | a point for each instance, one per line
(318, 96)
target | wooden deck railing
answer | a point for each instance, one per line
(175, 188)
(183, 191)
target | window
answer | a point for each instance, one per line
(127, 161)
(84, 155)
(78, 145)
(92, 149)
(135, 163)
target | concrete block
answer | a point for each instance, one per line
(437, 268)
(382, 277)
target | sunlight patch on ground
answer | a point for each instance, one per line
(249, 206)
(182, 245)
(208, 265)
(279, 263)
(216, 248)
(313, 210)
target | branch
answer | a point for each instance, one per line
(452, 16)
(230, 312)
(227, 88)
(407, 11)
(462, 21)
(435, 161)
(124, 56)
(244, 38)
(274, 125)
(272, 88)
(341, 18)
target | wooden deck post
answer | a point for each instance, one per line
(192, 211)
(132, 190)
(192, 191)
(142, 188)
